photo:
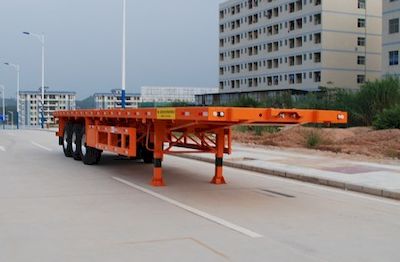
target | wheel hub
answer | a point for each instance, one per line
(83, 145)
(74, 142)
(65, 142)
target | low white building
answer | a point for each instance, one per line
(30, 105)
(113, 100)
(164, 94)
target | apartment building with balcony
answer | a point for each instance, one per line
(391, 37)
(30, 105)
(114, 100)
(268, 45)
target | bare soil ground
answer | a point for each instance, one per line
(378, 144)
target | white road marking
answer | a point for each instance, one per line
(42, 147)
(2, 148)
(192, 210)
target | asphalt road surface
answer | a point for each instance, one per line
(53, 208)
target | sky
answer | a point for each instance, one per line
(169, 43)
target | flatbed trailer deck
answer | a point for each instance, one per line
(150, 133)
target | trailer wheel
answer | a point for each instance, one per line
(77, 141)
(67, 140)
(89, 155)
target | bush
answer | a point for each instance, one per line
(259, 130)
(374, 97)
(246, 102)
(313, 139)
(363, 105)
(389, 118)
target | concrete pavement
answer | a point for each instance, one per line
(316, 167)
(56, 209)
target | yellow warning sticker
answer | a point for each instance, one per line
(166, 113)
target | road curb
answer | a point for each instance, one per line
(304, 178)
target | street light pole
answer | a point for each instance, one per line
(17, 68)
(4, 106)
(41, 38)
(123, 95)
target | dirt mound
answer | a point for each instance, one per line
(382, 143)
(363, 141)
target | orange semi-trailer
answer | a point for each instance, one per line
(150, 133)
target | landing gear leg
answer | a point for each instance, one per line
(219, 156)
(159, 135)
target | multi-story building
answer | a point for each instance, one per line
(391, 37)
(113, 100)
(30, 103)
(165, 94)
(268, 45)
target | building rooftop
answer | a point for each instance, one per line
(48, 92)
(115, 92)
(111, 94)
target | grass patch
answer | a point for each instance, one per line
(392, 153)
(313, 139)
(257, 130)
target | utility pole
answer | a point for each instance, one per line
(4, 106)
(41, 38)
(123, 94)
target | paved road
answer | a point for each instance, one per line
(323, 168)
(57, 209)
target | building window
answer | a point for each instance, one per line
(360, 79)
(361, 23)
(394, 26)
(317, 77)
(291, 79)
(361, 41)
(317, 38)
(317, 57)
(361, 4)
(393, 58)
(361, 60)
(317, 19)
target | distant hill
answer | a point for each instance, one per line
(87, 103)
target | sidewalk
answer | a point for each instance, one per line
(314, 167)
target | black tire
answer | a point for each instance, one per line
(92, 156)
(98, 158)
(77, 141)
(67, 140)
(89, 155)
